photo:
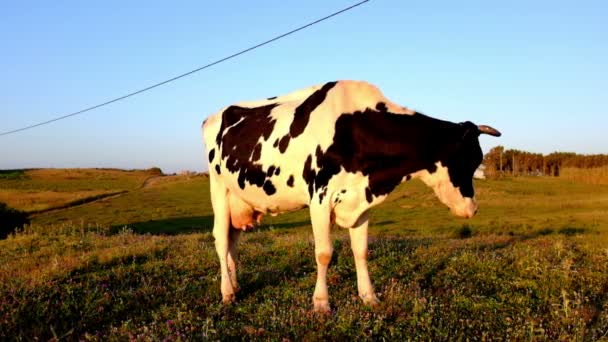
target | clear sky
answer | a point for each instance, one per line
(536, 70)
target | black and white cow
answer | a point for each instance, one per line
(339, 148)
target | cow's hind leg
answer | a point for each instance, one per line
(233, 237)
(358, 242)
(321, 225)
(221, 232)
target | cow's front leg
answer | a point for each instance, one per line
(358, 242)
(321, 226)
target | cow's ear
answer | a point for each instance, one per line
(469, 130)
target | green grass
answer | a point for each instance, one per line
(533, 265)
(176, 205)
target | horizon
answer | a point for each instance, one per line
(206, 170)
(535, 71)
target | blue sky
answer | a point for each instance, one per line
(537, 70)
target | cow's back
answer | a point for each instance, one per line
(260, 148)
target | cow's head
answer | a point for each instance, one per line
(452, 180)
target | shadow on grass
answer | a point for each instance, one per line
(170, 226)
(192, 224)
(568, 231)
(282, 225)
(466, 232)
(198, 224)
(383, 223)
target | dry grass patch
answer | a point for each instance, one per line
(42, 189)
(67, 180)
(595, 175)
(40, 200)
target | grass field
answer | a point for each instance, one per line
(43, 189)
(532, 265)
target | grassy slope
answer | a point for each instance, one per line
(40, 189)
(175, 205)
(536, 266)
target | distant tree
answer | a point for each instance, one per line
(156, 171)
(493, 161)
(515, 162)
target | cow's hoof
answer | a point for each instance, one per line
(228, 299)
(322, 307)
(371, 301)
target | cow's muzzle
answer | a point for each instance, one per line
(467, 209)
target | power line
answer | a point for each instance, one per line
(187, 73)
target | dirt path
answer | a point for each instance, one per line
(146, 183)
(78, 202)
(149, 181)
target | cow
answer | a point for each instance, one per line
(339, 149)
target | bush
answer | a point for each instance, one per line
(12, 174)
(10, 219)
(156, 171)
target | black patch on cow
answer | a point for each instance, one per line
(319, 154)
(283, 143)
(271, 98)
(269, 188)
(238, 139)
(328, 168)
(277, 171)
(322, 194)
(217, 169)
(387, 147)
(241, 180)
(255, 176)
(257, 152)
(462, 164)
(301, 114)
(255, 122)
(309, 174)
(270, 171)
(211, 155)
(290, 181)
(368, 195)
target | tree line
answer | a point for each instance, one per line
(499, 161)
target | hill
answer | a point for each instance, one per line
(37, 190)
